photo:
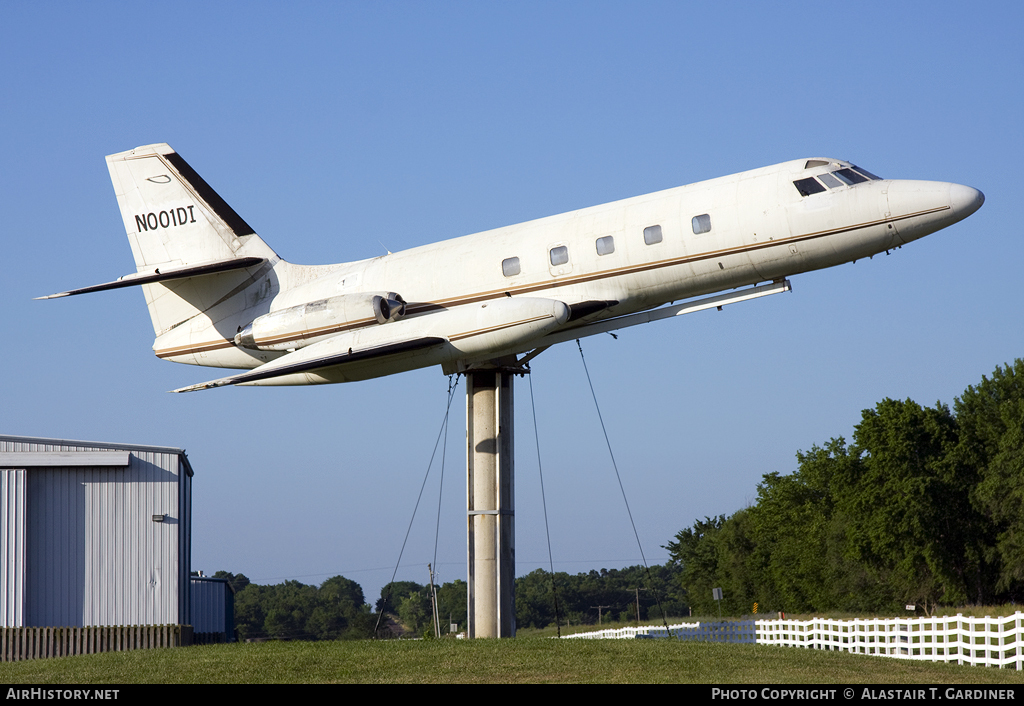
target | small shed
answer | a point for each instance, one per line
(213, 610)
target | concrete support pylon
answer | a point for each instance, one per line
(490, 503)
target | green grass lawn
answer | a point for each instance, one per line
(522, 660)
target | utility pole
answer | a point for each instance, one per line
(433, 603)
(638, 589)
(599, 607)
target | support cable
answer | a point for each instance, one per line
(543, 501)
(444, 452)
(444, 426)
(618, 477)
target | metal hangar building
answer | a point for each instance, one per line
(94, 534)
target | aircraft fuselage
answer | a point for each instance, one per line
(489, 295)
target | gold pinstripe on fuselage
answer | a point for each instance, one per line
(415, 308)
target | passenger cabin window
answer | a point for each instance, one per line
(806, 187)
(701, 224)
(605, 245)
(559, 255)
(652, 235)
(510, 266)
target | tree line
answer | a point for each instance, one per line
(925, 506)
(621, 595)
(582, 599)
(292, 610)
(336, 609)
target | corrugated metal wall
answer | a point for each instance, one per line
(212, 606)
(12, 547)
(93, 553)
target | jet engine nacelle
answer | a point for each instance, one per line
(298, 326)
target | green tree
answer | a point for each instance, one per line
(451, 604)
(535, 599)
(250, 612)
(925, 506)
(905, 499)
(237, 581)
(696, 551)
(800, 543)
(391, 595)
(344, 593)
(615, 588)
(415, 611)
(739, 574)
(991, 420)
(295, 611)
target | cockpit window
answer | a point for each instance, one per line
(837, 178)
(849, 176)
(806, 187)
(830, 181)
(866, 173)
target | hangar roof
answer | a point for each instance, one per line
(65, 452)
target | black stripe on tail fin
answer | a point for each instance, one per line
(204, 191)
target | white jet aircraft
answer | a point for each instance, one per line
(219, 296)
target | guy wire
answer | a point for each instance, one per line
(444, 425)
(600, 418)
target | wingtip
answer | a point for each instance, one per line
(193, 388)
(204, 385)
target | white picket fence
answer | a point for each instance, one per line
(988, 642)
(720, 631)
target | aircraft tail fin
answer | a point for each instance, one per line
(172, 216)
(176, 222)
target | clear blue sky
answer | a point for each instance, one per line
(338, 129)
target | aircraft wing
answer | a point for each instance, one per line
(307, 360)
(643, 317)
(477, 331)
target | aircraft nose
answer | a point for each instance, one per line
(922, 207)
(964, 200)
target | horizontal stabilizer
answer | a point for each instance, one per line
(302, 364)
(163, 274)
